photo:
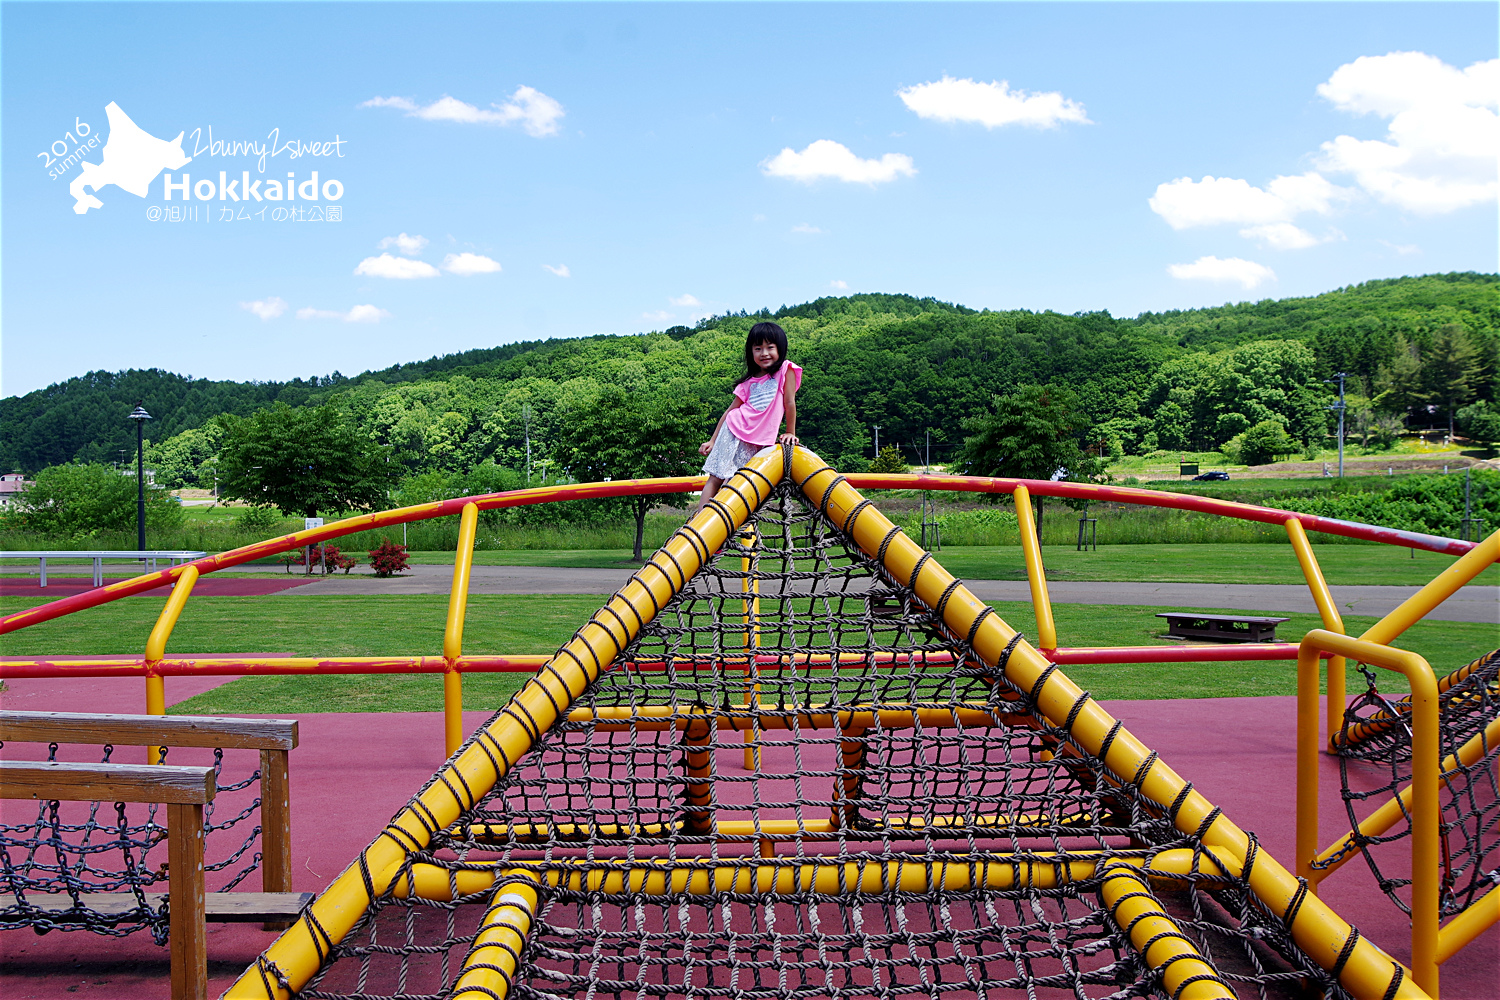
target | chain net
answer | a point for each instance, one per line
(1374, 747)
(794, 709)
(102, 866)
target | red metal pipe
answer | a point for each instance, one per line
(1174, 654)
(263, 666)
(1157, 498)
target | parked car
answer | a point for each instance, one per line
(1217, 475)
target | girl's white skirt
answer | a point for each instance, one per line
(728, 455)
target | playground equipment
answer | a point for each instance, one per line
(931, 806)
(80, 864)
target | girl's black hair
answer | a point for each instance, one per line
(763, 333)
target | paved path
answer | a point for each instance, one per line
(1472, 604)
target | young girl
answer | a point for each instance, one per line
(767, 391)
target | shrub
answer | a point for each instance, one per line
(388, 559)
(257, 519)
(889, 461)
(1264, 443)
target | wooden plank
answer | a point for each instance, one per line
(148, 730)
(106, 782)
(275, 828)
(218, 907)
(189, 939)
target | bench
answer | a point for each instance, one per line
(1223, 628)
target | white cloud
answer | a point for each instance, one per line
(533, 110)
(560, 270)
(358, 314)
(757, 218)
(659, 316)
(408, 245)
(1401, 248)
(990, 104)
(1186, 203)
(265, 308)
(803, 227)
(1246, 273)
(386, 266)
(826, 158)
(467, 264)
(842, 286)
(1443, 136)
(685, 301)
(1281, 236)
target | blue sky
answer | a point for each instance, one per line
(518, 171)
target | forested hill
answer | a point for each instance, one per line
(1188, 378)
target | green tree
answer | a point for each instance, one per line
(1265, 442)
(1450, 369)
(1030, 434)
(889, 461)
(1480, 421)
(301, 461)
(80, 501)
(633, 435)
(188, 459)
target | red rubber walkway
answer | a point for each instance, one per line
(353, 771)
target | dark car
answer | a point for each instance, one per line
(1214, 476)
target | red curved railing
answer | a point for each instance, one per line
(688, 484)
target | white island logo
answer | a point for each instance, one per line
(134, 160)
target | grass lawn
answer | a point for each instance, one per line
(412, 624)
(1223, 562)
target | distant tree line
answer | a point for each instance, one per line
(1247, 378)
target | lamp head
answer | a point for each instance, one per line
(139, 414)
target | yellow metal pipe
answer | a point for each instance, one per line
(1481, 915)
(1036, 576)
(453, 633)
(156, 648)
(665, 876)
(1442, 587)
(658, 717)
(748, 565)
(489, 969)
(297, 953)
(1328, 610)
(1186, 974)
(1319, 932)
(1424, 804)
(1394, 809)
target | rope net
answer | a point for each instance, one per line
(797, 782)
(1374, 747)
(102, 866)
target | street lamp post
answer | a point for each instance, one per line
(1339, 408)
(877, 439)
(140, 416)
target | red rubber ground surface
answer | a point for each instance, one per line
(353, 771)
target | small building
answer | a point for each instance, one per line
(12, 484)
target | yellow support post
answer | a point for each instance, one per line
(752, 644)
(453, 635)
(1031, 548)
(1425, 781)
(1329, 612)
(156, 648)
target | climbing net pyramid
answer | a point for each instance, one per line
(793, 757)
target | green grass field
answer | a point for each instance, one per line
(413, 624)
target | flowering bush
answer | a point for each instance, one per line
(388, 559)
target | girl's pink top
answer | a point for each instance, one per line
(758, 419)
